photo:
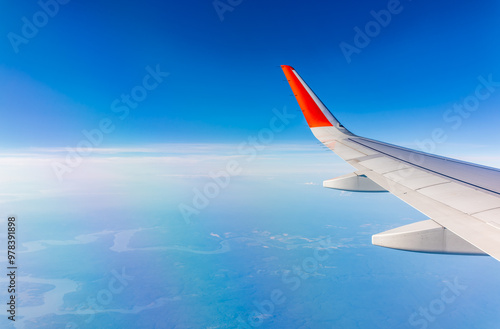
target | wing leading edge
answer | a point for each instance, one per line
(461, 199)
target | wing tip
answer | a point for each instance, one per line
(315, 112)
(287, 67)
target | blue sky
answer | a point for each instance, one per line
(204, 88)
(224, 76)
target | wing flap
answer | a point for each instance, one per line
(354, 182)
(425, 236)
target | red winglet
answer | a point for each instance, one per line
(313, 114)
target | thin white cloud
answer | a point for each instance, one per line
(28, 173)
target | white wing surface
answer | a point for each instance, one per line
(462, 200)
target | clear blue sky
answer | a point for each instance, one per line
(224, 76)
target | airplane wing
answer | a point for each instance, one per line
(461, 199)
